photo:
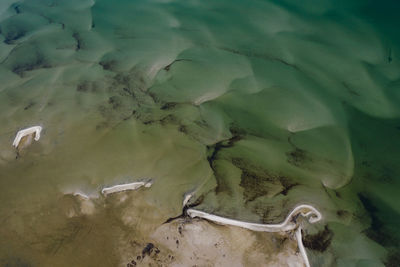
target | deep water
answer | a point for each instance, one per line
(253, 106)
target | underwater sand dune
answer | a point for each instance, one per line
(253, 107)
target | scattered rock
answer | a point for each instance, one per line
(147, 249)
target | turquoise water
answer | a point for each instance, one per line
(255, 106)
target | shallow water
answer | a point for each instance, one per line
(251, 106)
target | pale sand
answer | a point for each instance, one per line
(190, 241)
(201, 243)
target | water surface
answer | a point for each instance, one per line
(253, 106)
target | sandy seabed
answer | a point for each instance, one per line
(252, 107)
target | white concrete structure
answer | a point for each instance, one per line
(28, 131)
(301, 247)
(124, 187)
(289, 224)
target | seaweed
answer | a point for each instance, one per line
(390, 58)
(376, 231)
(16, 7)
(216, 148)
(287, 185)
(13, 35)
(376, 224)
(183, 129)
(169, 105)
(30, 104)
(296, 157)
(343, 214)
(366, 163)
(252, 184)
(258, 55)
(154, 97)
(38, 63)
(169, 119)
(88, 86)
(350, 90)
(220, 145)
(78, 39)
(393, 258)
(167, 68)
(115, 102)
(319, 241)
(83, 87)
(255, 180)
(108, 64)
(236, 130)
(133, 79)
(129, 91)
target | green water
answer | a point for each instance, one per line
(255, 106)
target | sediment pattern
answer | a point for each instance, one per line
(252, 106)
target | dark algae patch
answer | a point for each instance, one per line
(319, 241)
(287, 184)
(377, 230)
(219, 146)
(296, 156)
(213, 156)
(108, 64)
(392, 259)
(168, 67)
(253, 184)
(13, 35)
(38, 62)
(258, 182)
(78, 39)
